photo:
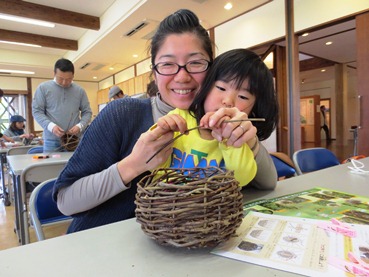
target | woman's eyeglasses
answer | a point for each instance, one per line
(169, 68)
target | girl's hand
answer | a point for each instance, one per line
(233, 133)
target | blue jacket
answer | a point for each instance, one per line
(102, 147)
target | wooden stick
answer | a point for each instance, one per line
(199, 127)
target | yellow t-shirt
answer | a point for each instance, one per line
(191, 151)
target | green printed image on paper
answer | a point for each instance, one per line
(316, 203)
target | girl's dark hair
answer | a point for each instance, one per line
(182, 21)
(64, 65)
(238, 65)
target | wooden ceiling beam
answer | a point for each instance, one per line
(44, 41)
(315, 63)
(50, 14)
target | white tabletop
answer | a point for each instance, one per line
(336, 178)
(122, 249)
(19, 162)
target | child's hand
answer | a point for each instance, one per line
(234, 133)
(173, 122)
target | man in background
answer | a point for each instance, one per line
(324, 125)
(116, 92)
(61, 107)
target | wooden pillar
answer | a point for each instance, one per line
(293, 86)
(30, 125)
(281, 89)
(362, 52)
(339, 104)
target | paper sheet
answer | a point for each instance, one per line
(292, 244)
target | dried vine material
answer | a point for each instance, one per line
(193, 207)
(69, 142)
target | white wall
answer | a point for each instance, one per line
(13, 83)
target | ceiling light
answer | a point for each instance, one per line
(328, 43)
(16, 71)
(111, 68)
(27, 20)
(20, 43)
(135, 55)
(305, 34)
(323, 70)
(94, 77)
(228, 6)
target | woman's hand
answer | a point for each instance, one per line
(27, 136)
(173, 122)
(147, 144)
(234, 133)
(8, 139)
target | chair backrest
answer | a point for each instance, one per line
(35, 150)
(312, 159)
(19, 150)
(43, 209)
(283, 164)
(37, 173)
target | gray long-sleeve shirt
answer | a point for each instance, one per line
(65, 107)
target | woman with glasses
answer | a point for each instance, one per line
(98, 185)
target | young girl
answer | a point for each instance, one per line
(238, 86)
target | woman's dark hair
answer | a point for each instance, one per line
(238, 65)
(64, 65)
(152, 89)
(182, 21)
(13, 126)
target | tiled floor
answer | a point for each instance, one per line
(9, 239)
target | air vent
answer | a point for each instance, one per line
(136, 29)
(143, 30)
(84, 66)
(92, 66)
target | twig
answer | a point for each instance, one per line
(199, 127)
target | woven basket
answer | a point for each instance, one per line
(69, 142)
(194, 208)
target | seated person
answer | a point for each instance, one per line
(16, 130)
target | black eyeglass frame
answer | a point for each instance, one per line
(155, 67)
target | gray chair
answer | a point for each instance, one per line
(36, 150)
(19, 150)
(312, 159)
(43, 210)
(36, 173)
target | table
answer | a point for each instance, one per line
(122, 249)
(3, 161)
(17, 164)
